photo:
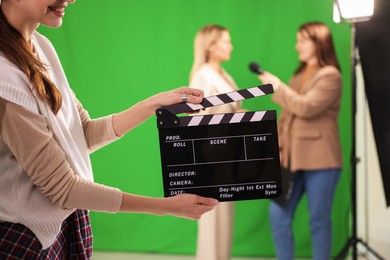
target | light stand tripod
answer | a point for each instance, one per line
(353, 241)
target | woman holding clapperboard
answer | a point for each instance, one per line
(309, 139)
(212, 46)
(46, 136)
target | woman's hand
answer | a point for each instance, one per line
(268, 78)
(126, 120)
(189, 206)
(182, 94)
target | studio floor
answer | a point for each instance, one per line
(98, 255)
(130, 256)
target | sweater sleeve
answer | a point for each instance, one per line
(325, 91)
(98, 132)
(32, 144)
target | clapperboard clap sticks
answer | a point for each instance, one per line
(232, 156)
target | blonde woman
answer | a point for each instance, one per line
(212, 47)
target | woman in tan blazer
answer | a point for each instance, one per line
(212, 47)
(309, 139)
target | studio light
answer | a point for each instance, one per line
(351, 11)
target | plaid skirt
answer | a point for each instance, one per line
(73, 242)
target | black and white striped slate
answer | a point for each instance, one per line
(228, 118)
(220, 99)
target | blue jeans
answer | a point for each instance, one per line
(319, 186)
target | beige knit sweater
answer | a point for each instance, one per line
(45, 172)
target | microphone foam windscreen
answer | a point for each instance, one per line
(255, 68)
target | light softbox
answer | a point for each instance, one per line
(373, 41)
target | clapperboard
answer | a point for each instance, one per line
(232, 156)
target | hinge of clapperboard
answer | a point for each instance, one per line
(166, 116)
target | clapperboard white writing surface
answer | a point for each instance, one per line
(232, 156)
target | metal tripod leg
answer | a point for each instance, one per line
(352, 243)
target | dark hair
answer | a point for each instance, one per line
(16, 49)
(322, 38)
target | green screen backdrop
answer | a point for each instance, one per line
(116, 53)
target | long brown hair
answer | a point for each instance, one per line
(322, 38)
(16, 49)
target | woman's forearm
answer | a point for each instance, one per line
(188, 206)
(135, 115)
(127, 120)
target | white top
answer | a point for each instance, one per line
(213, 83)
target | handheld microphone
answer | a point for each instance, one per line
(255, 68)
